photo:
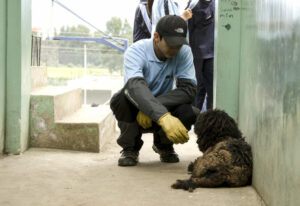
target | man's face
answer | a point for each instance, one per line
(162, 49)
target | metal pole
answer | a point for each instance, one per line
(84, 76)
(50, 28)
(82, 19)
(32, 50)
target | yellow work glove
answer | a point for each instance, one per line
(143, 120)
(174, 129)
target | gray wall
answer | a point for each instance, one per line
(269, 97)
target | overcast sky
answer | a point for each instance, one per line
(97, 12)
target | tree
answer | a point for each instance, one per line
(111, 58)
(78, 30)
(127, 31)
(114, 27)
(71, 52)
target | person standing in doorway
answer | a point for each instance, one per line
(201, 40)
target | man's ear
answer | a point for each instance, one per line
(156, 37)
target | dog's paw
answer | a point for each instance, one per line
(191, 189)
(177, 184)
(184, 184)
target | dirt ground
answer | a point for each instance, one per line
(57, 177)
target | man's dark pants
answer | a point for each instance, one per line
(130, 138)
(205, 75)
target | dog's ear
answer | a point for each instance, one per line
(222, 124)
(214, 125)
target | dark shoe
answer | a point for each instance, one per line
(168, 155)
(128, 158)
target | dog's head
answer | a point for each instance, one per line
(214, 126)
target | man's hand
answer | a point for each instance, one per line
(174, 129)
(143, 120)
(187, 14)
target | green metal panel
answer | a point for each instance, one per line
(227, 56)
(18, 75)
(26, 72)
(269, 109)
(2, 70)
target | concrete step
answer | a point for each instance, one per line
(66, 100)
(100, 124)
(87, 114)
(58, 120)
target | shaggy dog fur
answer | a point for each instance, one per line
(227, 158)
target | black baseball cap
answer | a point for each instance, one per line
(173, 29)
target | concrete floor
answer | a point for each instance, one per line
(56, 177)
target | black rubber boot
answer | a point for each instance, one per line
(128, 158)
(166, 155)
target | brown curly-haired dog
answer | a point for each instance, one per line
(227, 158)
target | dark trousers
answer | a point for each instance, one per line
(130, 137)
(205, 75)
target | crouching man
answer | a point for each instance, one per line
(148, 102)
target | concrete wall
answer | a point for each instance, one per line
(269, 112)
(227, 52)
(268, 102)
(2, 71)
(15, 74)
(26, 71)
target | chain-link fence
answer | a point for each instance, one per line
(95, 68)
(69, 60)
